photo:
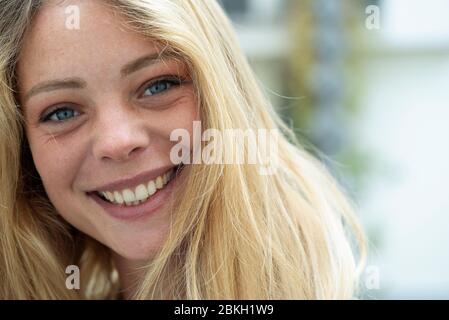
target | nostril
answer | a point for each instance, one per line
(123, 156)
(136, 150)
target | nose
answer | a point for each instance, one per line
(120, 134)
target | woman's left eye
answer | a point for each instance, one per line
(160, 86)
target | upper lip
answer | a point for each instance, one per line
(125, 183)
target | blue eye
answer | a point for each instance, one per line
(60, 115)
(159, 86)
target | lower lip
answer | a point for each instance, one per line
(147, 208)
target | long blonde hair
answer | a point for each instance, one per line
(236, 234)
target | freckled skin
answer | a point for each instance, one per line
(114, 133)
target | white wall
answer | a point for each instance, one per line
(405, 122)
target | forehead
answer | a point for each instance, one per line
(53, 45)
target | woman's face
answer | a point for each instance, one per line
(97, 120)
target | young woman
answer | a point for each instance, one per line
(92, 94)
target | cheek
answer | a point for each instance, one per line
(184, 116)
(56, 162)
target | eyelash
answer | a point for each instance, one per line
(170, 80)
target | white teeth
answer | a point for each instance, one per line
(128, 196)
(159, 182)
(140, 194)
(118, 197)
(109, 196)
(151, 188)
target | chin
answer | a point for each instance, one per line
(139, 247)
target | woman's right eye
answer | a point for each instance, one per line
(60, 115)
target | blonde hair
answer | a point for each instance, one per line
(236, 234)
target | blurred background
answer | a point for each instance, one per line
(367, 84)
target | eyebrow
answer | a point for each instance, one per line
(51, 85)
(141, 62)
(78, 83)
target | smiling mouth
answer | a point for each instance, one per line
(140, 193)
